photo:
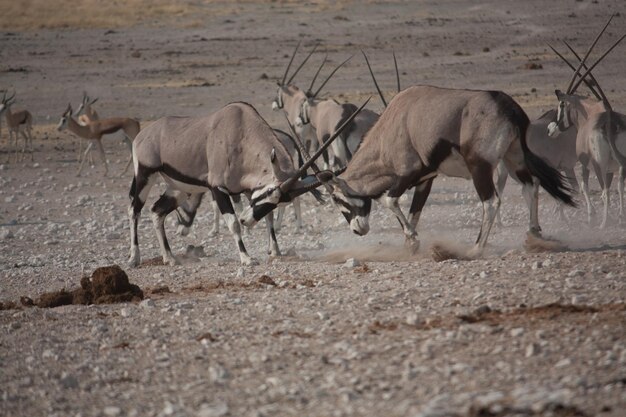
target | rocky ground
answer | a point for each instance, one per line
(515, 333)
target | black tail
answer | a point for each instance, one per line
(549, 178)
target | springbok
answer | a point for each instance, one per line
(18, 122)
(601, 138)
(98, 128)
(325, 116)
(426, 131)
(85, 114)
(231, 151)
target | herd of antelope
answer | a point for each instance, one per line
(423, 131)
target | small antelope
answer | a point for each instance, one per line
(426, 131)
(601, 138)
(98, 128)
(231, 151)
(85, 114)
(18, 122)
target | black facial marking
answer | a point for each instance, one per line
(262, 210)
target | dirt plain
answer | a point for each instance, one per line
(515, 333)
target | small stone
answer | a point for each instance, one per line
(125, 312)
(9, 199)
(147, 303)
(483, 274)
(536, 265)
(217, 409)
(518, 331)
(322, 315)
(575, 273)
(563, 363)
(241, 272)
(532, 350)
(412, 319)
(112, 411)
(69, 382)
(351, 263)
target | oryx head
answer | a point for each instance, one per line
(564, 113)
(563, 117)
(355, 209)
(85, 103)
(283, 188)
(6, 102)
(284, 84)
(64, 118)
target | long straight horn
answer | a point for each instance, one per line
(330, 76)
(93, 101)
(85, 98)
(305, 154)
(395, 63)
(582, 77)
(289, 65)
(302, 64)
(577, 72)
(316, 74)
(380, 93)
(285, 186)
(9, 99)
(587, 83)
(599, 94)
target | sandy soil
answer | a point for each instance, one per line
(516, 333)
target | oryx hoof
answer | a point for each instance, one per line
(133, 262)
(535, 231)
(249, 262)
(182, 230)
(171, 260)
(413, 244)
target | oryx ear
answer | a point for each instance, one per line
(273, 155)
(558, 94)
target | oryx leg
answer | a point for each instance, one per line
(278, 222)
(215, 230)
(502, 174)
(584, 188)
(530, 192)
(82, 162)
(167, 202)
(228, 212)
(186, 213)
(391, 202)
(272, 249)
(604, 179)
(297, 212)
(422, 191)
(128, 143)
(139, 191)
(620, 191)
(25, 145)
(482, 176)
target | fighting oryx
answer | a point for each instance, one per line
(601, 137)
(98, 128)
(231, 151)
(18, 122)
(186, 212)
(426, 131)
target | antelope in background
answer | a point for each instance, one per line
(231, 151)
(94, 131)
(289, 98)
(85, 114)
(426, 131)
(601, 138)
(18, 122)
(325, 116)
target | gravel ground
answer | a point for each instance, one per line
(515, 333)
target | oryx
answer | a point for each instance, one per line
(231, 151)
(601, 137)
(94, 131)
(18, 122)
(325, 116)
(426, 131)
(289, 98)
(186, 212)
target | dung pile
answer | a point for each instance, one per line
(107, 285)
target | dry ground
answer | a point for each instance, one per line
(514, 333)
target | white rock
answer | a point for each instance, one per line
(536, 265)
(125, 312)
(532, 350)
(9, 199)
(241, 272)
(147, 303)
(563, 363)
(518, 331)
(412, 319)
(217, 409)
(575, 273)
(351, 263)
(6, 234)
(483, 274)
(112, 411)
